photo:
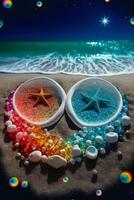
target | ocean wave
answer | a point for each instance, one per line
(99, 64)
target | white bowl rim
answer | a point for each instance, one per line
(56, 116)
(73, 116)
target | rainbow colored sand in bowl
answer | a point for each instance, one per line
(34, 108)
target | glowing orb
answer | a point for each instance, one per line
(132, 21)
(98, 192)
(107, 1)
(24, 184)
(39, 4)
(7, 3)
(66, 179)
(126, 177)
(1, 23)
(13, 182)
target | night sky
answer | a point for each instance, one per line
(67, 20)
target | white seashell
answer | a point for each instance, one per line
(44, 158)
(11, 129)
(89, 142)
(9, 122)
(45, 129)
(76, 151)
(126, 120)
(102, 151)
(95, 172)
(91, 152)
(35, 156)
(111, 137)
(26, 163)
(22, 157)
(18, 155)
(56, 161)
(99, 139)
(110, 128)
(119, 153)
(73, 161)
(16, 145)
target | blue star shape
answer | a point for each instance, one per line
(94, 102)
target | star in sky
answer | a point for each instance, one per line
(94, 102)
(105, 21)
(41, 96)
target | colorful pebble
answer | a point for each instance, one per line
(13, 182)
(91, 152)
(126, 120)
(24, 184)
(111, 137)
(126, 177)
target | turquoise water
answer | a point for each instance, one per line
(90, 115)
(85, 57)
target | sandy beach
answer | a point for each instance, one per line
(47, 181)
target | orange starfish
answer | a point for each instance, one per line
(41, 96)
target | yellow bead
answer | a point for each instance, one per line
(50, 141)
(62, 151)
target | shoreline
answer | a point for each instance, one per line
(68, 73)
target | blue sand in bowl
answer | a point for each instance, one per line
(91, 115)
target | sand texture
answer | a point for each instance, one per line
(48, 181)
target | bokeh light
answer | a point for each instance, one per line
(98, 192)
(126, 177)
(1, 23)
(24, 184)
(107, 1)
(7, 3)
(13, 182)
(66, 179)
(39, 4)
(132, 21)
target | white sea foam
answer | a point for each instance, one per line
(99, 64)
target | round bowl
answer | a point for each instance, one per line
(35, 111)
(93, 102)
